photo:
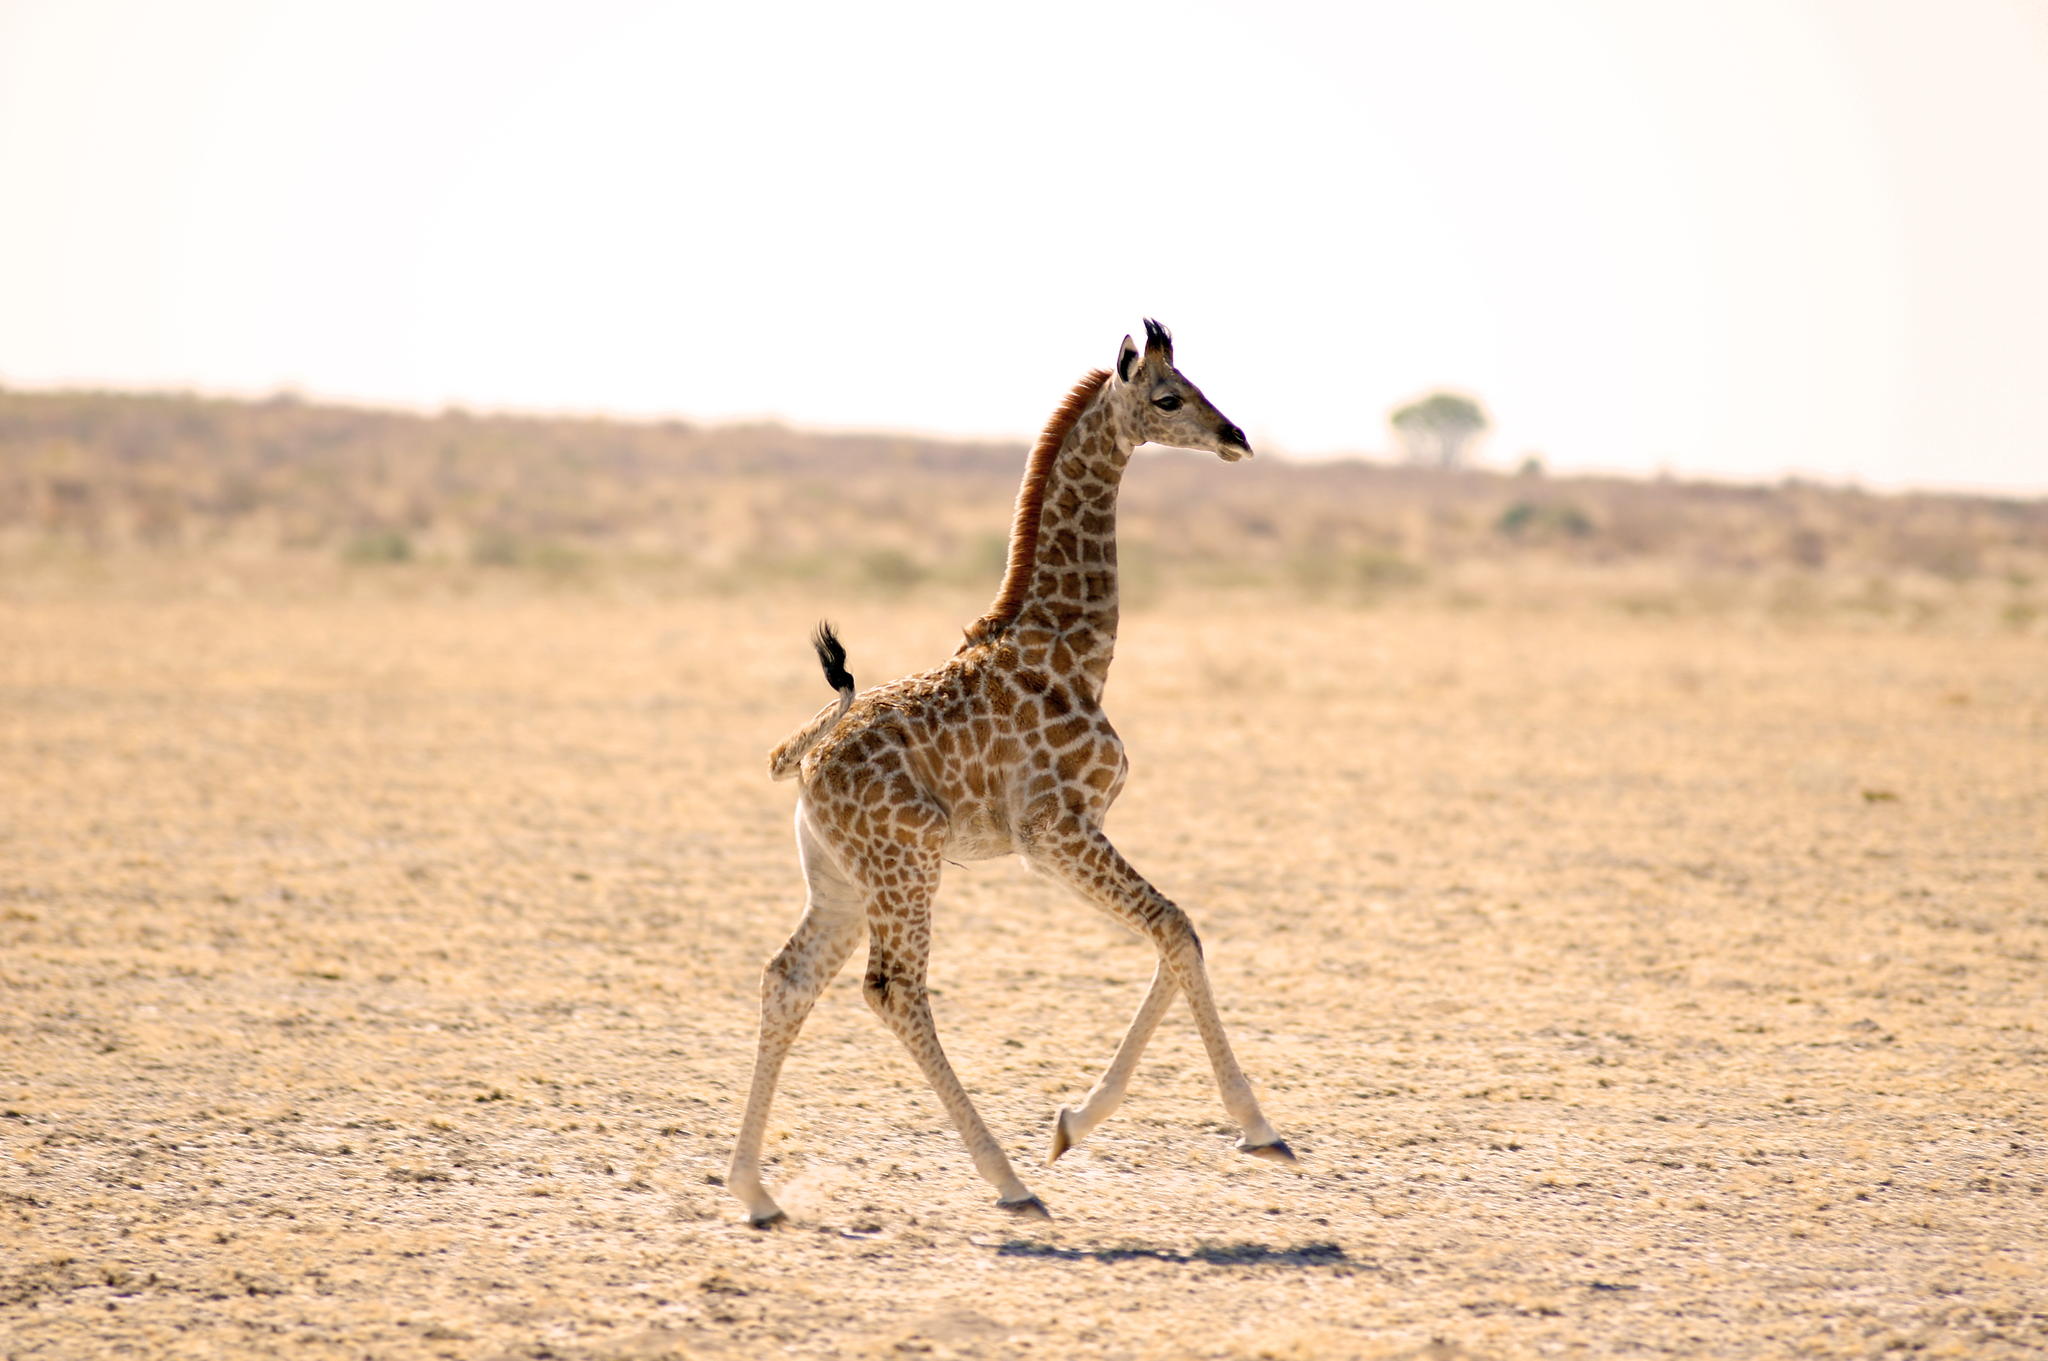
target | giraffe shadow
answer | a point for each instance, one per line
(1208, 1254)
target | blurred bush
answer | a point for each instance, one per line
(109, 478)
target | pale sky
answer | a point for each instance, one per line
(1737, 238)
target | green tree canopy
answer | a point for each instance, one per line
(1436, 430)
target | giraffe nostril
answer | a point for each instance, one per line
(1230, 434)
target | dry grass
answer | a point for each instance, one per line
(1630, 897)
(379, 958)
(92, 484)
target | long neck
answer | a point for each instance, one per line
(1073, 572)
(1059, 597)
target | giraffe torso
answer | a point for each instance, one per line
(993, 742)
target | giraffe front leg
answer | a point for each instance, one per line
(1070, 1125)
(1259, 1138)
(1078, 854)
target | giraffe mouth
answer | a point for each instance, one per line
(1232, 445)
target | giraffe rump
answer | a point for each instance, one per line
(784, 760)
(1030, 510)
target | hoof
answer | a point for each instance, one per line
(1061, 1140)
(1275, 1152)
(769, 1220)
(1031, 1207)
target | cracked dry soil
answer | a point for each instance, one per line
(379, 979)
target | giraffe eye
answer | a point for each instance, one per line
(1167, 403)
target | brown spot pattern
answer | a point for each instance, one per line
(1004, 748)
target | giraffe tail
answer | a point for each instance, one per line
(783, 761)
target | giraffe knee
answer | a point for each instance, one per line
(784, 970)
(795, 976)
(1175, 935)
(783, 991)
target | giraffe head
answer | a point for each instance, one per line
(1163, 407)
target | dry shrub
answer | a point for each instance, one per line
(114, 479)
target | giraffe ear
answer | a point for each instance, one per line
(1126, 360)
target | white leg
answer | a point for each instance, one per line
(1073, 1124)
(790, 986)
(1079, 855)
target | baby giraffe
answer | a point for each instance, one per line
(1003, 750)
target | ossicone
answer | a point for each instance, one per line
(1158, 340)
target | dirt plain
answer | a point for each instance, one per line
(379, 969)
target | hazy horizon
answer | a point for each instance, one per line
(1760, 241)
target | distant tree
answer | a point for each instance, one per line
(1435, 431)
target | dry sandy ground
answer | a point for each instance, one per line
(379, 975)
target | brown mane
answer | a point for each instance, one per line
(1030, 505)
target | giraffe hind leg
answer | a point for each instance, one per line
(790, 985)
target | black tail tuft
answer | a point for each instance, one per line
(832, 656)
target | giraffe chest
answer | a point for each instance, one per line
(998, 747)
(978, 831)
(995, 778)
(1078, 763)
